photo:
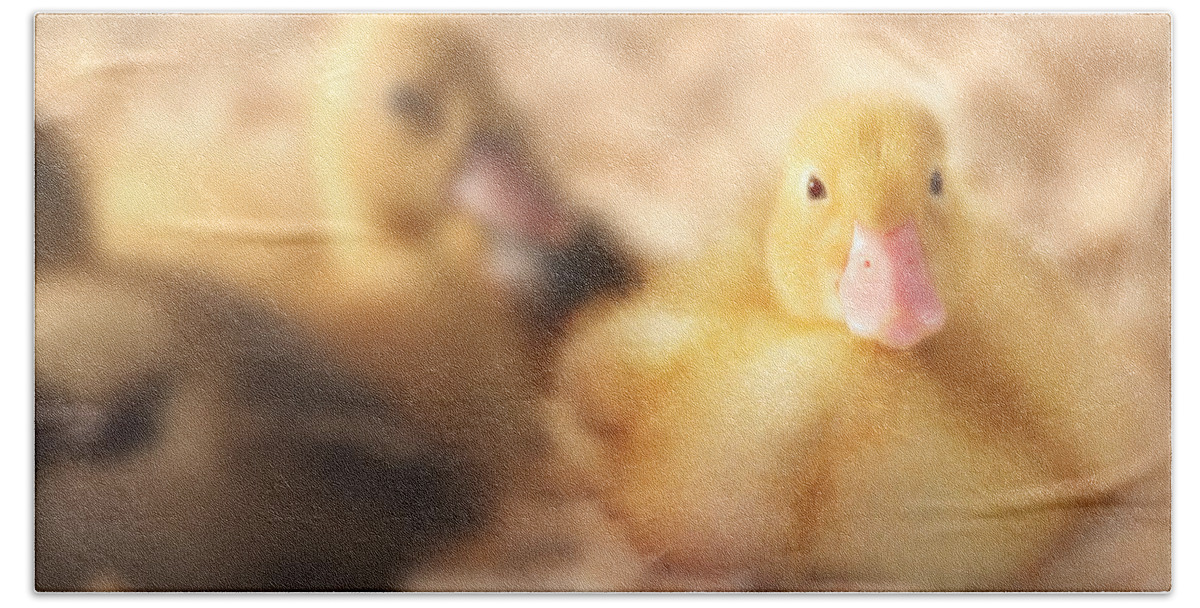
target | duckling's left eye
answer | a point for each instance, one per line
(935, 183)
(816, 189)
(420, 107)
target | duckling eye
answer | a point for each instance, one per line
(935, 183)
(418, 106)
(816, 189)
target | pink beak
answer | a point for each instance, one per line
(886, 291)
(495, 185)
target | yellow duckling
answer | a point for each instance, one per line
(423, 171)
(882, 393)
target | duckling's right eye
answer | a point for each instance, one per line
(419, 107)
(816, 189)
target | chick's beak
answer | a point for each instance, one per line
(550, 259)
(496, 184)
(886, 291)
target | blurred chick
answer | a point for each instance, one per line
(187, 438)
(394, 217)
(419, 158)
(881, 393)
(454, 269)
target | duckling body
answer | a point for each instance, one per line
(887, 396)
(740, 453)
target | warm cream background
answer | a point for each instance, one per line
(667, 126)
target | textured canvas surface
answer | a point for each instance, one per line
(603, 303)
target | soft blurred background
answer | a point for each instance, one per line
(662, 126)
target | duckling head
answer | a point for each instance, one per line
(862, 202)
(411, 131)
(396, 108)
